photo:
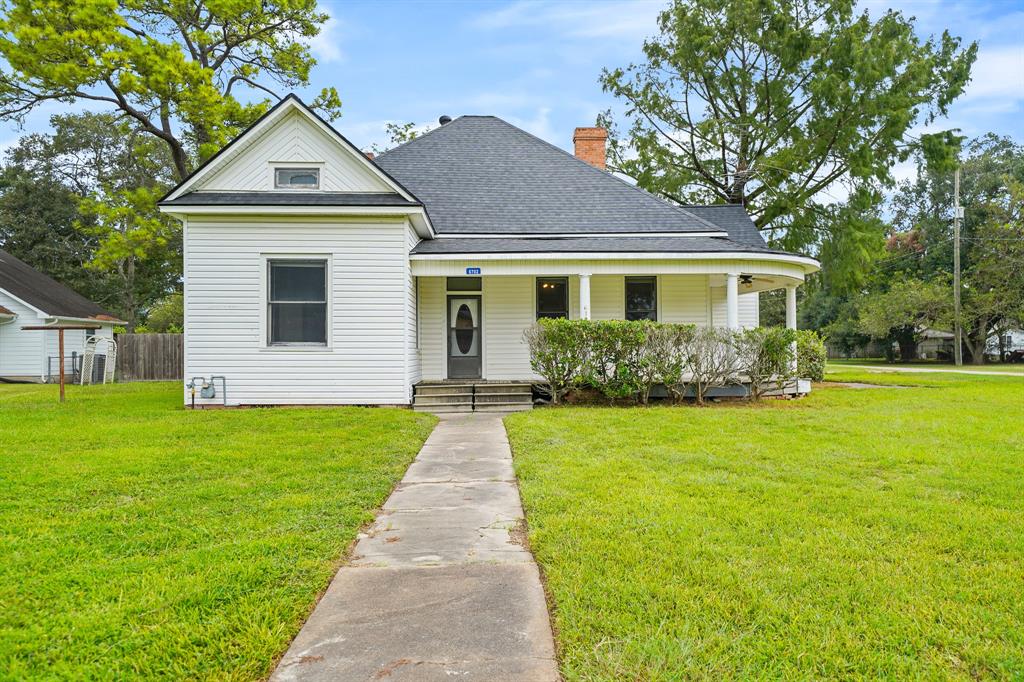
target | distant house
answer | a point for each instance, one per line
(314, 274)
(27, 298)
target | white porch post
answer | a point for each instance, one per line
(732, 300)
(791, 306)
(585, 296)
(791, 315)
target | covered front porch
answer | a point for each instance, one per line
(471, 314)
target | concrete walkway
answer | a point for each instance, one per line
(935, 370)
(439, 588)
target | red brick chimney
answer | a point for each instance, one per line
(370, 155)
(590, 145)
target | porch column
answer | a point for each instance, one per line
(732, 300)
(585, 296)
(791, 306)
(791, 316)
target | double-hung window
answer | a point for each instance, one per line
(642, 298)
(297, 302)
(552, 297)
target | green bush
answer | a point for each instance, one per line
(810, 355)
(765, 356)
(559, 352)
(619, 359)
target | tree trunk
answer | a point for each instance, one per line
(908, 344)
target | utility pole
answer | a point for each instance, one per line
(958, 212)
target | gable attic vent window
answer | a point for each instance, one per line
(297, 178)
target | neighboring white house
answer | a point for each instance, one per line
(316, 275)
(28, 298)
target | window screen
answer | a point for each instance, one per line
(297, 302)
(297, 178)
(641, 298)
(552, 297)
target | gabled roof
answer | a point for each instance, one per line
(287, 104)
(47, 295)
(482, 175)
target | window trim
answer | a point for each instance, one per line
(536, 297)
(625, 295)
(267, 317)
(306, 168)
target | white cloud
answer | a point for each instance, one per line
(326, 45)
(581, 20)
(538, 124)
(997, 74)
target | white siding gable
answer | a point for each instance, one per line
(293, 140)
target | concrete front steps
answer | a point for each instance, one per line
(445, 397)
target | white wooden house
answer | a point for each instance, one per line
(317, 275)
(30, 298)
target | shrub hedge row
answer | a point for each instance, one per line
(626, 359)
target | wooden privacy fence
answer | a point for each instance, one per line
(150, 357)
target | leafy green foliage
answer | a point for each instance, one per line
(811, 355)
(97, 179)
(558, 351)
(909, 303)
(167, 315)
(172, 66)
(855, 534)
(769, 103)
(142, 541)
(766, 357)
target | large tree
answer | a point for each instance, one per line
(992, 234)
(99, 233)
(771, 103)
(174, 67)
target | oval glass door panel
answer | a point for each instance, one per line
(464, 329)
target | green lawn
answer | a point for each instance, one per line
(138, 539)
(931, 364)
(858, 533)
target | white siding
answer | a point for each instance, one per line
(225, 310)
(432, 327)
(21, 352)
(293, 140)
(683, 298)
(607, 297)
(508, 304)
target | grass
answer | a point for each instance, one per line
(931, 364)
(858, 533)
(138, 539)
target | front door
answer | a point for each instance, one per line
(464, 337)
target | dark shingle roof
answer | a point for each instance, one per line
(659, 244)
(733, 219)
(48, 295)
(481, 175)
(289, 199)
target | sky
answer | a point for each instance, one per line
(537, 64)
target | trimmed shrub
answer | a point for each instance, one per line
(711, 360)
(626, 359)
(765, 356)
(559, 352)
(669, 346)
(810, 355)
